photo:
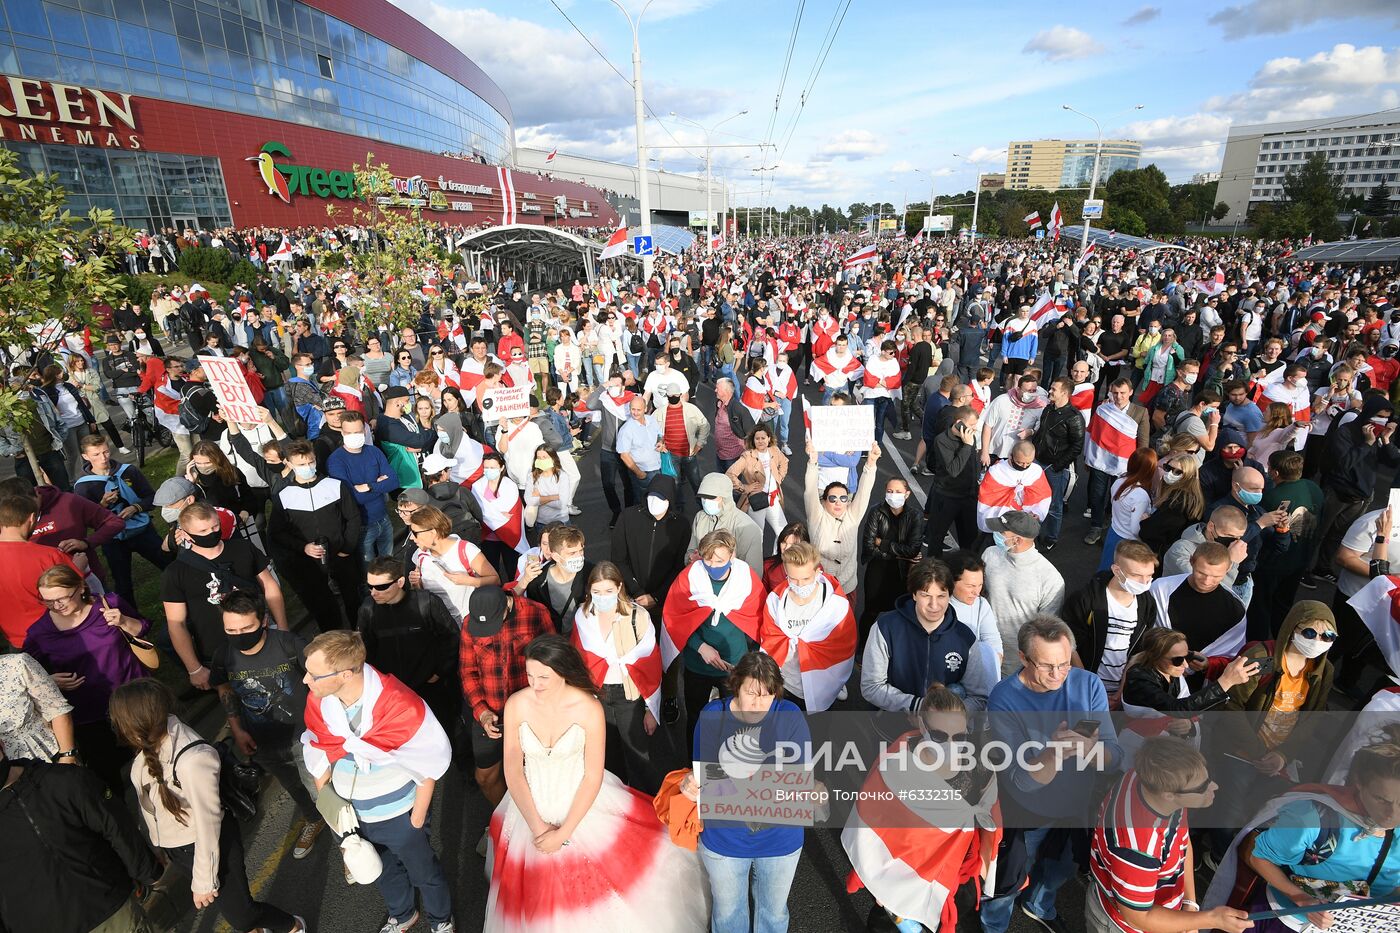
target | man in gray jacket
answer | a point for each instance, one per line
(718, 512)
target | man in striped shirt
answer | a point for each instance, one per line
(1140, 854)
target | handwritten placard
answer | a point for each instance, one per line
(225, 377)
(842, 428)
(507, 402)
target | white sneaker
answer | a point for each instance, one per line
(395, 925)
(575, 510)
(123, 450)
(787, 451)
(842, 693)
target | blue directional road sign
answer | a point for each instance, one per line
(641, 245)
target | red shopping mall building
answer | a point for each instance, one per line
(176, 113)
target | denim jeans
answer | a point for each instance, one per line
(882, 407)
(377, 540)
(707, 362)
(730, 887)
(1100, 483)
(1049, 872)
(640, 484)
(689, 470)
(783, 418)
(1245, 591)
(409, 863)
(275, 400)
(1059, 483)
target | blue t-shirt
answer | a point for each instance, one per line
(1247, 417)
(1295, 830)
(783, 723)
(1019, 715)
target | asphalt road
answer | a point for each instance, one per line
(315, 887)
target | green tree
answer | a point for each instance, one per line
(1378, 203)
(1145, 192)
(1219, 211)
(48, 280)
(1126, 220)
(392, 274)
(1317, 193)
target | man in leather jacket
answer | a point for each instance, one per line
(1059, 440)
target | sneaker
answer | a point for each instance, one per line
(575, 510)
(443, 926)
(1308, 581)
(394, 925)
(1094, 536)
(123, 450)
(842, 693)
(787, 451)
(905, 436)
(1326, 576)
(307, 838)
(1047, 547)
(481, 845)
(1054, 925)
(1088, 513)
(670, 710)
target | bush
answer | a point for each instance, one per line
(330, 261)
(245, 272)
(203, 263)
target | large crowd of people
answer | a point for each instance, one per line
(388, 580)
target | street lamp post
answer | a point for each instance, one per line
(639, 106)
(976, 193)
(1093, 179)
(708, 131)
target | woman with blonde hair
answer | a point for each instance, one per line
(618, 643)
(1178, 505)
(177, 792)
(549, 490)
(89, 382)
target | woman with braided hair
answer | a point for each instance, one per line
(177, 790)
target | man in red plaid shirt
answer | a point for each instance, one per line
(495, 632)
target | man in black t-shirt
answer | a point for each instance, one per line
(196, 583)
(264, 698)
(1208, 614)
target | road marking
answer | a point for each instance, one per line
(268, 869)
(893, 453)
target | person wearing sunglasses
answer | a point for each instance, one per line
(1140, 855)
(956, 825)
(834, 518)
(1155, 681)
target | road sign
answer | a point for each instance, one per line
(641, 245)
(938, 223)
(1093, 209)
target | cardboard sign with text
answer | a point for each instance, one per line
(508, 402)
(225, 377)
(842, 428)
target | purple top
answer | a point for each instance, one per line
(94, 649)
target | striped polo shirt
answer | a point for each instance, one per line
(380, 793)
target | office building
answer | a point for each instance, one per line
(1066, 163)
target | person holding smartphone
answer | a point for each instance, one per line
(952, 495)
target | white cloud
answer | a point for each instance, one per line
(1270, 17)
(982, 155)
(1344, 66)
(1172, 131)
(1145, 15)
(902, 166)
(1063, 44)
(854, 145)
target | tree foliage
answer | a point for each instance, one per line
(1316, 193)
(390, 278)
(1378, 202)
(49, 278)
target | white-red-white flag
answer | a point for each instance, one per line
(1046, 310)
(616, 245)
(825, 642)
(717, 240)
(1079, 263)
(1007, 489)
(1033, 219)
(1057, 221)
(861, 256)
(552, 153)
(918, 237)
(283, 252)
(1111, 439)
(507, 182)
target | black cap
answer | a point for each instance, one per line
(394, 392)
(486, 611)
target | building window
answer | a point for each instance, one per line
(324, 63)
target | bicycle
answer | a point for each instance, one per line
(145, 430)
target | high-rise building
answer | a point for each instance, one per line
(1364, 151)
(1066, 163)
(1204, 178)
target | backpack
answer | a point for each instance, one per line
(239, 781)
(137, 522)
(191, 397)
(636, 346)
(464, 523)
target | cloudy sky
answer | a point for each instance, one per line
(911, 84)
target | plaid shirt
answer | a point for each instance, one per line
(493, 668)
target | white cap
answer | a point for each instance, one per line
(435, 463)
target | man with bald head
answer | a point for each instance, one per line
(1265, 533)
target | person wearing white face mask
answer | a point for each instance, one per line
(809, 628)
(890, 543)
(560, 584)
(1110, 613)
(364, 468)
(618, 643)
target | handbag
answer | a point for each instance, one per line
(361, 858)
(668, 464)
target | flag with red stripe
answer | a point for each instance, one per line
(861, 256)
(616, 246)
(503, 512)
(507, 183)
(399, 727)
(1111, 439)
(1228, 644)
(825, 642)
(756, 396)
(1007, 489)
(1083, 400)
(692, 601)
(642, 664)
(1046, 310)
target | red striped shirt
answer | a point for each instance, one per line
(1137, 856)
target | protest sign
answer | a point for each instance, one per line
(225, 377)
(842, 428)
(507, 402)
(758, 795)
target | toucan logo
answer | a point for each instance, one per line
(283, 180)
(276, 183)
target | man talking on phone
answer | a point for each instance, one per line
(952, 494)
(491, 660)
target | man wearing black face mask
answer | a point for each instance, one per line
(685, 431)
(265, 701)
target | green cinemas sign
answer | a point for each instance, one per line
(283, 181)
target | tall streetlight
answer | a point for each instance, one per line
(708, 131)
(976, 192)
(639, 106)
(1094, 179)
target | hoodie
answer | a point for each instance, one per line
(1178, 557)
(1216, 477)
(746, 533)
(649, 551)
(1241, 735)
(1349, 464)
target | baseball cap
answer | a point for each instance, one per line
(435, 463)
(416, 496)
(394, 392)
(173, 490)
(1018, 523)
(332, 403)
(486, 610)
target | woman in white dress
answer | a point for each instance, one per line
(573, 848)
